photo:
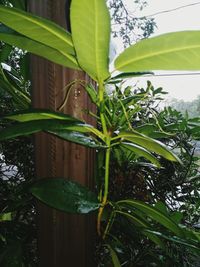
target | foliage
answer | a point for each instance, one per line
(173, 184)
(88, 49)
(126, 25)
(17, 211)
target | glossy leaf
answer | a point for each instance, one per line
(171, 51)
(149, 144)
(40, 49)
(90, 24)
(141, 152)
(39, 114)
(78, 138)
(64, 195)
(69, 131)
(154, 213)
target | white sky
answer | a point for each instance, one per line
(188, 18)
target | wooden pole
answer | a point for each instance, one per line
(63, 239)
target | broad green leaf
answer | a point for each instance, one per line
(77, 137)
(37, 28)
(40, 49)
(90, 24)
(141, 152)
(115, 260)
(65, 195)
(171, 51)
(149, 144)
(154, 213)
(39, 114)
(29, 127)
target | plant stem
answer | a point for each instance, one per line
(107, 158)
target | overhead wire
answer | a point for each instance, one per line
(172, 74)
(170, 10)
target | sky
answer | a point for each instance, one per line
(188, 18)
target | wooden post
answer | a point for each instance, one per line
(64, 240)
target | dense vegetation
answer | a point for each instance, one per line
(146, 197)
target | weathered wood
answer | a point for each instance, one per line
(64, 240)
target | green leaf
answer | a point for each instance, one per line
(141, 152)
(90, 24)
(6, 216)
(72, 131)
(92, 93)
(65, 195)
(41, 34)
(188, 243)
(115, 260)
(154, 213)
(39, 114)
(37, 28)
(125, 75)
(19, 97)
(40, 49)
(78, 138)
(149, 144)
(171, 51)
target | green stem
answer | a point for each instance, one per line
(107, 158)
(101, 100)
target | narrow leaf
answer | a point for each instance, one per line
(125, 75)
(149, 144)
(92, 93)
(90, 23)
(175, 239)
(155, 214)
(64, 195)
(141, 152)
(115, 260)
(171, 51)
